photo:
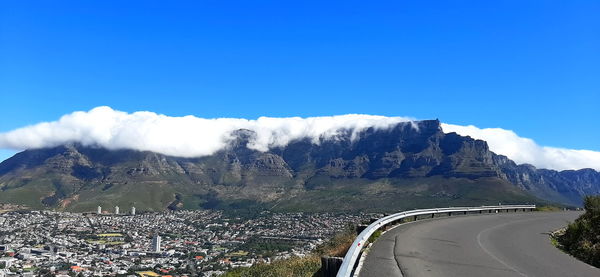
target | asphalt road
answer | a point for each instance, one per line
(505, 244)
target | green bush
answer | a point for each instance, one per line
(582, 237)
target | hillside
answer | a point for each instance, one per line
(407, 166)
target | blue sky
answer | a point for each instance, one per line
(527, 66)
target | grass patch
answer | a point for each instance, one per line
(301, 266)
(110, 235)
(105, 242)
(548, 208)
(375, 236)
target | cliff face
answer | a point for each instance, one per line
(568, 186)
(409, 165)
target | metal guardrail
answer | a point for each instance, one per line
(349, 263)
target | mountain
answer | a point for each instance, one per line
(406, 166)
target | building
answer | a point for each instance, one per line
(132, 210)
(99, 210)
(6, 262)
(156, 243)
(116, 209)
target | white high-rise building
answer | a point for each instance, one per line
(156, 243)
(99, 210)
(132, 210)
(116, 209)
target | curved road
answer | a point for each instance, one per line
(502, 244)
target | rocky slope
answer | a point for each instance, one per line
(407, 166)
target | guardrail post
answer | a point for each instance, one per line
(432, 215)
(360, 228)
(330, 265)
(415, 218)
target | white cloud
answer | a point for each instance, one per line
(187, 136)
(525, 150)
(191, 136)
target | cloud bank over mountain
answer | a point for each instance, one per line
(191, 136)
(186, 136)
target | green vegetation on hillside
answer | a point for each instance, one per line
(393, 194)
(308, 266)
(582, 237)
(293, 267)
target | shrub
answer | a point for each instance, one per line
(582, 237)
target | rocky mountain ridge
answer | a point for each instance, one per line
(408, 165)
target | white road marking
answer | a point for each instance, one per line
(494, 256)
